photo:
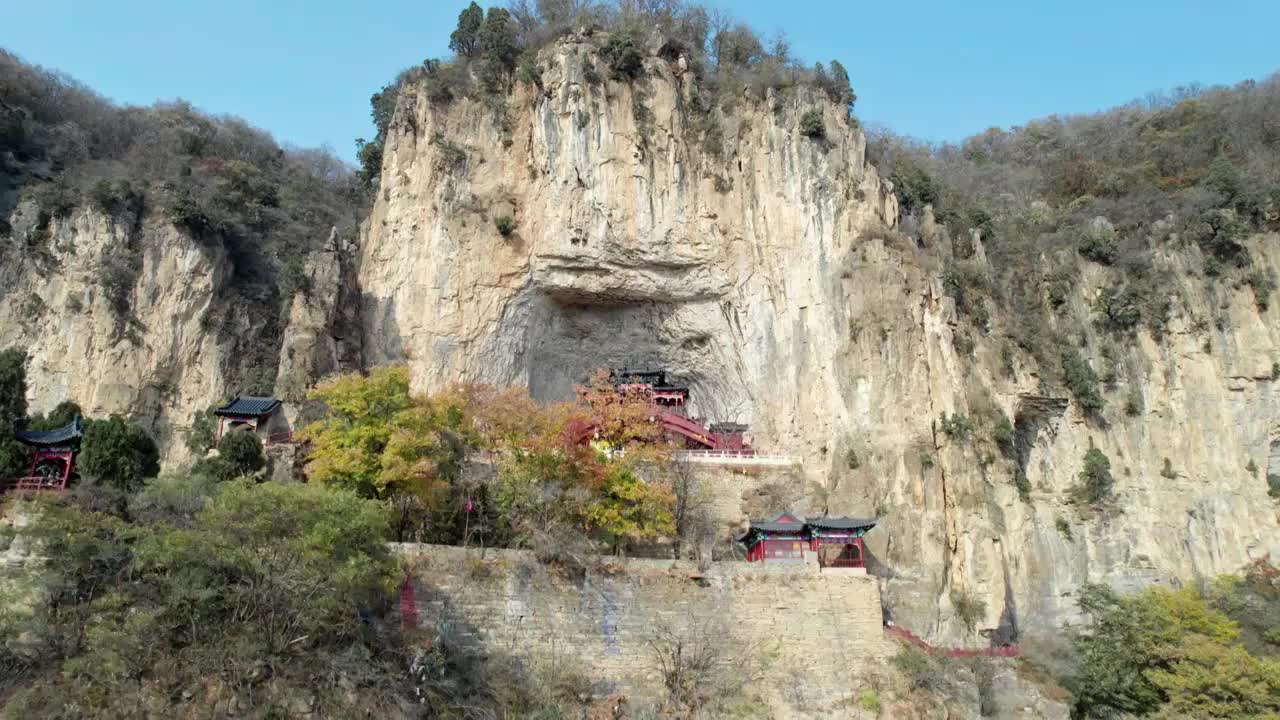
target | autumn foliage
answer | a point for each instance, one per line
(562, 472)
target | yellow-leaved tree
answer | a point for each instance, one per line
(381, 441)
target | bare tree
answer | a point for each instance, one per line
(703, 663)
(692, 512)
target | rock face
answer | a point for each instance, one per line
(625, 252)
(320, 336)
(185, 339)
(157, 365)
(762, 268)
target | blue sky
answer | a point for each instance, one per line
(935, 70)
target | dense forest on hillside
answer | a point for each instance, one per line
(1136, 190)
(227, 185)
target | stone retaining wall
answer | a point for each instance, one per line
(776, 623)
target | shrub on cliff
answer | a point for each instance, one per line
(117, 453)
(1095, 477)
(623, 55)
(1081, 380)
(811, 125)
(505, 224)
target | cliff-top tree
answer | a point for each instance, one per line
(465, 38)
(498, 49)
(842, 88)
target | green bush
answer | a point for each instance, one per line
(505, 224)
(968, 283)
(811, 125)
(969, 608)
(870, 701)
(1133, 401)
(118, 454)
(112, 197)
(1095, 479)
(851, 460)
(589, 74)
(1023, 484)
(242, 452)
(13, 411)
(1002, 434)
(921, 670)
(1100, 247)
(957, 426)
(1081, 380)
(1121, 308)
(203, 434)
(1263, 284)
(622, 52)
(1064, 528)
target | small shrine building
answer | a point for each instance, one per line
(837, 541)
(249, 413)
(53, 456)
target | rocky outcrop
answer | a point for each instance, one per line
(321, 335)
(131, 315)
(655, 223)
(157, 361)
(763, 269)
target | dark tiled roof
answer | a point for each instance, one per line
(841, 523)
(249, 405)
(66, 435)
(728, 427)
(778, 524)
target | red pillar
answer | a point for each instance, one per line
(408, 605)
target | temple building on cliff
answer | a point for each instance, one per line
(836, 541)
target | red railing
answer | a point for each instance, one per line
(1006, 651)
(32, 483)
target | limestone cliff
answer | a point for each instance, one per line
(762, 267)
(128, 314)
